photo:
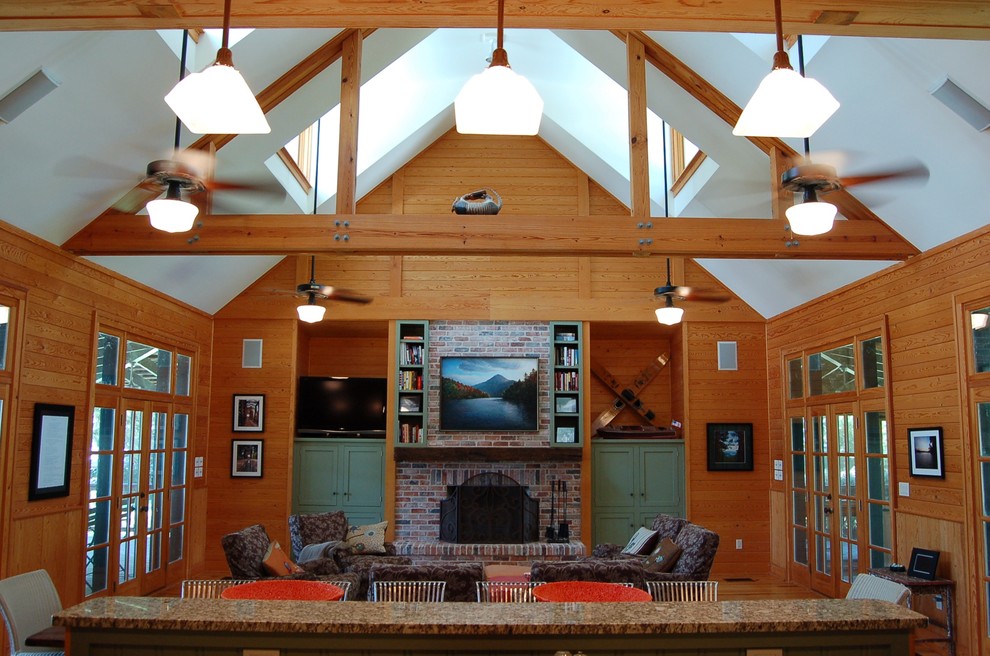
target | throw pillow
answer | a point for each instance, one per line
(641, 542)
(664, 557)
(368, 539)
(277, 563)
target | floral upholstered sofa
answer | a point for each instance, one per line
(697, 548)
(355, 550)
(248, 549)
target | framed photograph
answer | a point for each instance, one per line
(247, 458)
(565, 434)
(730, 447)
(925, 449)
(409, 404)
(566, 404)
(923, 563)
(249, 413)
(51, 451)
(489, 394)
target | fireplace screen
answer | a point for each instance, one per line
(489, 508)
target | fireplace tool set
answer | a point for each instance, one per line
(558, 532)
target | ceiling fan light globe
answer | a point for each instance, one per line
(786, 104)
(171, 215)
(669, 315)
(217, 100)
(811, 218)
(498, 101)
(311, 312)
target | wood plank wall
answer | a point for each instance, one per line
(918, 301)
(65, 299)
(531, 178)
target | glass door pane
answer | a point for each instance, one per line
(101, 500)
(131, 501)
(821, 503)
(878, 493)
(178, 484)
(799, 492)
(848, 517)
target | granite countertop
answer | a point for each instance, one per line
(453, 618)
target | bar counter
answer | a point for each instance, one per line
(157, 625)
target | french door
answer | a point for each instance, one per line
(137, 496)
(834, 498)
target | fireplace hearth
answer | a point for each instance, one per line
(489, 508)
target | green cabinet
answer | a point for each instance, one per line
(412, 381)
(633, 481)
(339, 474)
(566, 384)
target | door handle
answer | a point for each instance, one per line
(143, 509)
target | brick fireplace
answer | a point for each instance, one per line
(452, 457)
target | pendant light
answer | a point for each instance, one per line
(812, 216)
(172, 214)
(311, 311)
(498, 100)
(668, 314)
(786, 104)
(217, 100)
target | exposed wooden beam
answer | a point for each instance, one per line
(350, 100)
(314, 64)
(639, 154)
(720, 104)
(388, 234)
(967, 19)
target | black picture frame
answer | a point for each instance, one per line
(925, 452)
(249, 413)
(730, 447)
(923, 563)
(247, 458)
(51, 451)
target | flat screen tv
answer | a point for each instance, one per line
(489, 394)
(341, 406)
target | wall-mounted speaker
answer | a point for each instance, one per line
(962, 103)
(251, 353)
(25, 94)
(727, 358)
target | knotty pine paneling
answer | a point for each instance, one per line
(734, 504)
(348, 356)
(54, 362)
(625, 359)
(235, 503)
(924, 373)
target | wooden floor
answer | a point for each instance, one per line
(766, 587)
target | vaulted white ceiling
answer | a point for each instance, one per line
(75, 152)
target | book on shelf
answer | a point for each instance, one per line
(410, 433)
(566, 381)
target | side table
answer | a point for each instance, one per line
(936, 587)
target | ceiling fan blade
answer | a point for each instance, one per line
(134, 200)
(704, 295)
(918, 173)
(338, 294)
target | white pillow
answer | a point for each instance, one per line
(641, 542)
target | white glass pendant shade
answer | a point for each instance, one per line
(498, 101)
(172, 214)
(311, 312)
(217, 100)
(669, 314)
(811, 217)
(786, 104)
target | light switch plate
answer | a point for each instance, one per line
(198, 461)
(778, 475)
(904, 489)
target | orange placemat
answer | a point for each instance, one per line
(291, 590)
(588, 591)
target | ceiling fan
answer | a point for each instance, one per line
(824, 178)
(312, 291)
(678, 292)
(668, 313)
